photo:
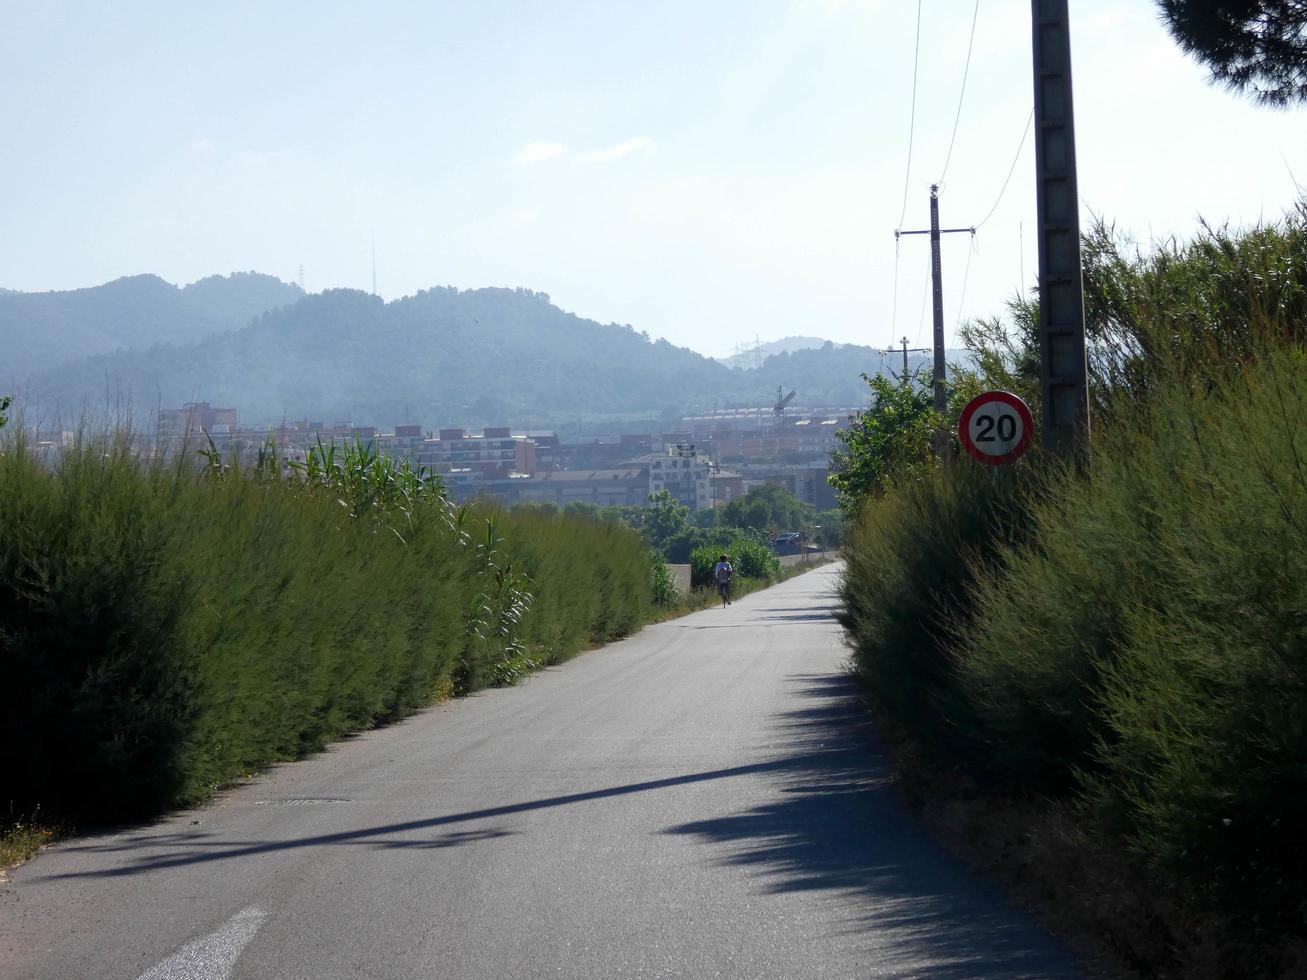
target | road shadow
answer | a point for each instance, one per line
(817, 612)
(736, 626)
(838, 824)
(833, 823)
(204, 848)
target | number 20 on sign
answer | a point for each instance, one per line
(996, 427)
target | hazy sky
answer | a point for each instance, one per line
(707, 170)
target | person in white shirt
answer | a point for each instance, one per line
(722, 576)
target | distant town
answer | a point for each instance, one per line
(705, 462)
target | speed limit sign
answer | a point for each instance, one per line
(996, 427)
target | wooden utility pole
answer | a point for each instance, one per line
(1063, 367)
(937, 288)
(913, 350)
(903, 342)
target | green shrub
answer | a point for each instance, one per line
(591, 581)
(161, 633)
(1153, 647)
(1129, 640)
(665, 593)
(911, 559)
(678, 548)
(749, 558)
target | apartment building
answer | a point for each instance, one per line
(492, 455)
(403, 443)
(683, 472)
(194, 418)
(759, 434)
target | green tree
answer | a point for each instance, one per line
(632, 517)
(828, 528)
(1256, 47)
(1005, 352)
(889, 441)
(665, 518)
(765, 508)
(708, 517)
(745, 512)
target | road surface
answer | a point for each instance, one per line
(702, 800)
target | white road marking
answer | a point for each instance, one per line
(212, 957)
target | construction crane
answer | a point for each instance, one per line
(782, 401)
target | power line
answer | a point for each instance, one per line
(1011, 170)
(912, 118)
(966, 70)
(907, 176)
(921, 324)
(966, 274)
(894, 314)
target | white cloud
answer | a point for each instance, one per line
(625, 148)
(537, 152)
(202, 145)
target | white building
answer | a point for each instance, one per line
(682, 471)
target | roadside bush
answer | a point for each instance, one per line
(1041, 619)
(1163, 658)
(911, 559)
(752, 559)
(678, 548)
(664, 590)
(749, 558)
(162, 633)
(1125, 647)
(590, 580)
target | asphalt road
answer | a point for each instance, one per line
(703, 800)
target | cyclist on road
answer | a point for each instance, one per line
(722, 576)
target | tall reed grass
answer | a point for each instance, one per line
(1130, 640)
(163, 632)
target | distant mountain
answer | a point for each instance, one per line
(237, 299)
(749, 357)
(827, 375)
(39, 332)
(445, 356)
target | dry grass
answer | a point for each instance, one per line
(1080, 884)
(20, 843)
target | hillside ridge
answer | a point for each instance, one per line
(443, 355)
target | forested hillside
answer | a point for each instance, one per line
(442, 356)
(39, 332)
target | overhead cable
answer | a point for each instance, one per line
(966, 274)
(921, 323)
(894, 309)
(907, 176)
(966, 70)
(1011, 171)
(912, 118)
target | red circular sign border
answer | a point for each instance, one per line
(1012, 401)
